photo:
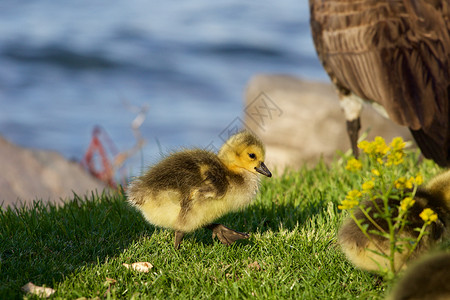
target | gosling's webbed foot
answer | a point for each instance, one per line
(178, 238)
(226, 235)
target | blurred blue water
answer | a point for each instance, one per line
(67, 66)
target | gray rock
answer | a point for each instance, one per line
(29, 175)
(301, 121)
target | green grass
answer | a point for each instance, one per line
(76, 249)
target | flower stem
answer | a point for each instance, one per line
(366, 234)
(372, 220)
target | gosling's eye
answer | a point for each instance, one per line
(252, 155)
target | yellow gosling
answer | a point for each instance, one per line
(359, 250)
(190, 189)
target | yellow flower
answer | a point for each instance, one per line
(403, 183)
(368, 185)
(380, 146)
(353, 194)
(406, 203)
(400, 182)
(395, 158)
(365, 146)
(418, 180)
(378, 150)
(348, 204)
(409, 183)
(375, 172)
(351, 200)
(397, 144)
(428, 215)
(353, 165)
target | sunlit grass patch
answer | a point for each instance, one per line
(79, 249)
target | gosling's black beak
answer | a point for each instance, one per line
(263, 170)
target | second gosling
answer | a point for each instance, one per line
(359, 250)
(190, 189)
(428, 279)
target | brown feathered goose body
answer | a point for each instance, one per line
(395, 53)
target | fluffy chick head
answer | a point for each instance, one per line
(244, 152)
(439, 187)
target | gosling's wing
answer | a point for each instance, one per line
(196, 175)
(206, 191)
(209, 188)
(213, 184)
(396, 53)
(176, 175)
